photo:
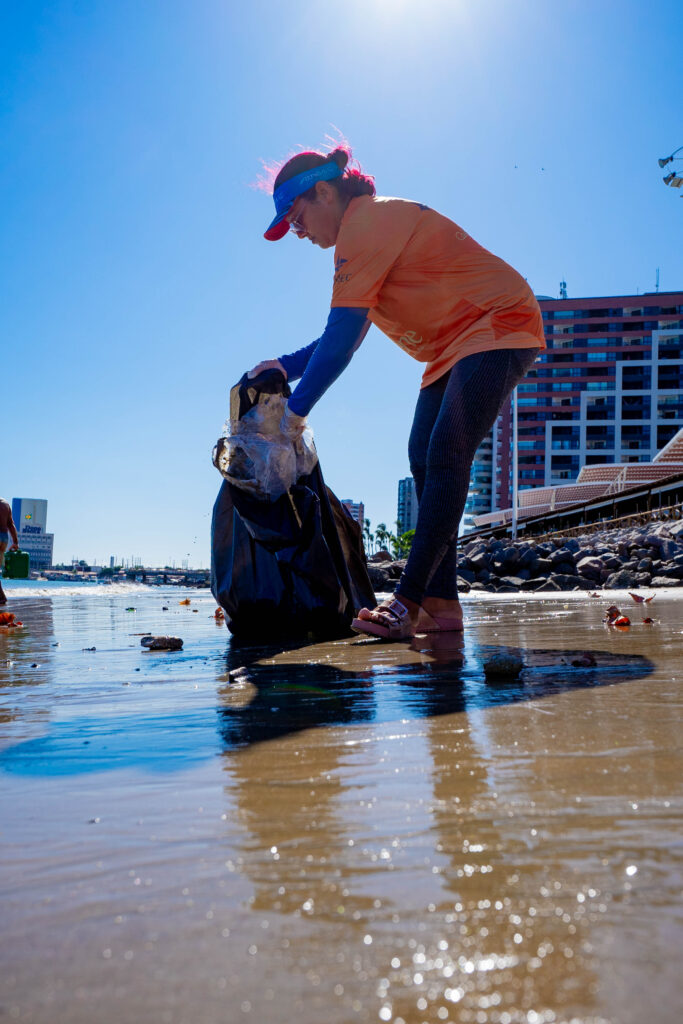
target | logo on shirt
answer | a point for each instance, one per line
(410, 339)
(340, 278)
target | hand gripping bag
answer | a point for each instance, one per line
(287, 566)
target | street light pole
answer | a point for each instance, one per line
(664, 160)
(672, 178)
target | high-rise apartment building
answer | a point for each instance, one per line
(609, 388)
(406, 513)
(30, 519)
(356, 510)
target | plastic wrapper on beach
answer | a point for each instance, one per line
(254, 455)
(286, 568)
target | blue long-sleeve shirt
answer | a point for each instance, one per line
(320, 363)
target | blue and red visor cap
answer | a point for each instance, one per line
(287, 192)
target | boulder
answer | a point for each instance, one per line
(676, 530)
(660, 530)
(664, 546)
(531, 585)
(671, 569)
(528, 559)
(474, 547)
(547, 585)
(590, 567)
(381, 556)
(510, 557)
(581, 583)
(544, 567)
(379, 577)
(479, 561)
(512, 581)
(567, 581)
(561, 556)
(626, 579)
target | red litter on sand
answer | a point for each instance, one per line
(9, 620)
(614, 617)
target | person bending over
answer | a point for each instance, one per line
(447, 302)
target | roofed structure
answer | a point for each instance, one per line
(592, 482)
(673, 451)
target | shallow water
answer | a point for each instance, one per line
(350, 831)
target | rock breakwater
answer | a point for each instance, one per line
(648, 555)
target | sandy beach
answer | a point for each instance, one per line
(347, 831)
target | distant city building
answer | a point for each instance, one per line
(356, 510)
(406, 512)
(30, 519)
(609, 388)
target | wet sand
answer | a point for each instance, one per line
(350, 831)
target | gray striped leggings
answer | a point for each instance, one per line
(452, 417)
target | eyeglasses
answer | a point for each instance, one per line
(297, 224)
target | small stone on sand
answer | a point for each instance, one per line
(503, 666)
(162, 643)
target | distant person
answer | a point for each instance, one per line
(7, 530)
(447, 302)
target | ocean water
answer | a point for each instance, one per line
(347, 831)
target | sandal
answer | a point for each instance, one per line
(390, 620)
(428, 623)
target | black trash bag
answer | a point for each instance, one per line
(287, 568)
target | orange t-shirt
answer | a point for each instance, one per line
(429, 286)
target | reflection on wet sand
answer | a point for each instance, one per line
(25, 661)
(346, 831)
(455, 856)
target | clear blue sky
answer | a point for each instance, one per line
(136, 287)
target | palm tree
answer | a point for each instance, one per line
(405, 542)
(382, 535)
(369, 537)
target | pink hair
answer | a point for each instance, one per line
(354, 180)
